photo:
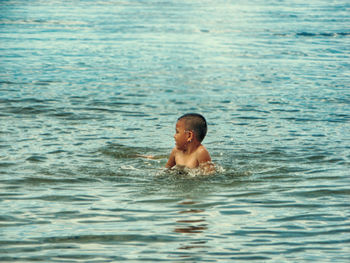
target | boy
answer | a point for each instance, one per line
(191, 129)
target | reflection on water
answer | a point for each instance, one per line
(190, 212)
(194, 224)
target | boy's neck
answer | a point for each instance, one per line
(191, 147)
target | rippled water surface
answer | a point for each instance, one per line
(86, 87)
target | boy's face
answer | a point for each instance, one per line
(181, 135)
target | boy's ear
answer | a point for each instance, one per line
(190, 136)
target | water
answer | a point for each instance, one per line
(87, 86)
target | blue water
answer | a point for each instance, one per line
(88, 86)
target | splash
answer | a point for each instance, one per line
(199, 172)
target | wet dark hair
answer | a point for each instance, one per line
(196, 123)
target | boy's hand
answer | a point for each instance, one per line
(146, 156)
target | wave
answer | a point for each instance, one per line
(315, 34)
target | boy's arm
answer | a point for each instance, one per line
(171, 161)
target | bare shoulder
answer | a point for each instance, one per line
(174, 151)
(203, 154)
(202, 150)
(204, 160)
